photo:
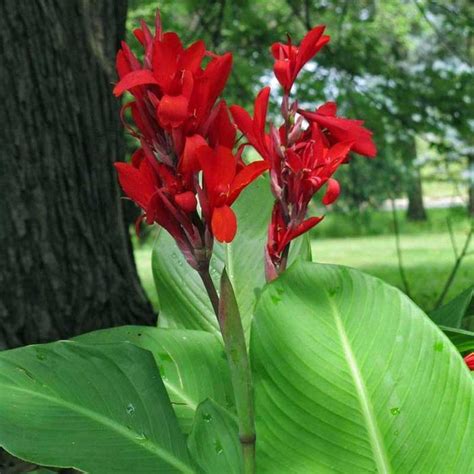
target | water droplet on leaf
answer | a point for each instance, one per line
(40, 356)
(395, 411)
(218, 447)
(438, 347)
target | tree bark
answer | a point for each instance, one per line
(66, 263)
(416, 209)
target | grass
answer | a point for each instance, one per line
(369, 245)
(427, 260)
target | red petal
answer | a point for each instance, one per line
(281, 69)
(121, 65)
(133, 79)
(222, 131)
(242, 119)
(173, 110)
(186, 201)
(338, 152)
(138, 33)
(248, 174)
(157, 211)
(192, 57)
(260, 111)
(329, 108)
(218, 168)
(277, 50)
(137, 157)
(165, 57)
(293, 161)
(310, 45)
(217, 72)
(224, 224)
(137, 185)
(305, 226)
(469, 359)
(189, 161)
(332, 192)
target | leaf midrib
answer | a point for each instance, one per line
(375, 437)
(125, 432)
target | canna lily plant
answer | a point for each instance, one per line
(262, 361)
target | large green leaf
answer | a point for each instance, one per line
(351, 376)
(183, 299)
(192, 364)
(214, 440)
(452, 313)
(100, 409)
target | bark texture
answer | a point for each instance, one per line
(66, 265)
(416, 209)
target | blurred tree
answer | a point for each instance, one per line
(401, 65)
(66, 262)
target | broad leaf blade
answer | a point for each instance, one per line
(99, 409)
(214, 440)
(351, 376)
(183, 300)
(192, 364)
(452, 313)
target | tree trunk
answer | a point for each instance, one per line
(66, 263)
(416, 209)
(470, 184)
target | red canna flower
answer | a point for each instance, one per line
(469, 360)
(223, 183)
(254, 128)
(303, 153)
(290, 59)
(338, 129)
(182, 132)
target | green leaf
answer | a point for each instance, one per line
(183, 300)
(100, 409)
(452, 313)
(192, 364)
(462, 340)
(214, 440)
(351, 376)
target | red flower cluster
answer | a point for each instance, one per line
(182, 131)
(303, 153)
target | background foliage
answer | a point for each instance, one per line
(405, 67)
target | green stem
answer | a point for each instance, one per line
(239, 364)
(232, 331)
(211, 290)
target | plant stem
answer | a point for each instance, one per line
(399, 249)
(248, 452)
(457, 264)
(284, 259)
(239, 364)
(211, 290)
(232, 331)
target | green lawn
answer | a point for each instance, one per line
(427, 260)
(426, 251)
